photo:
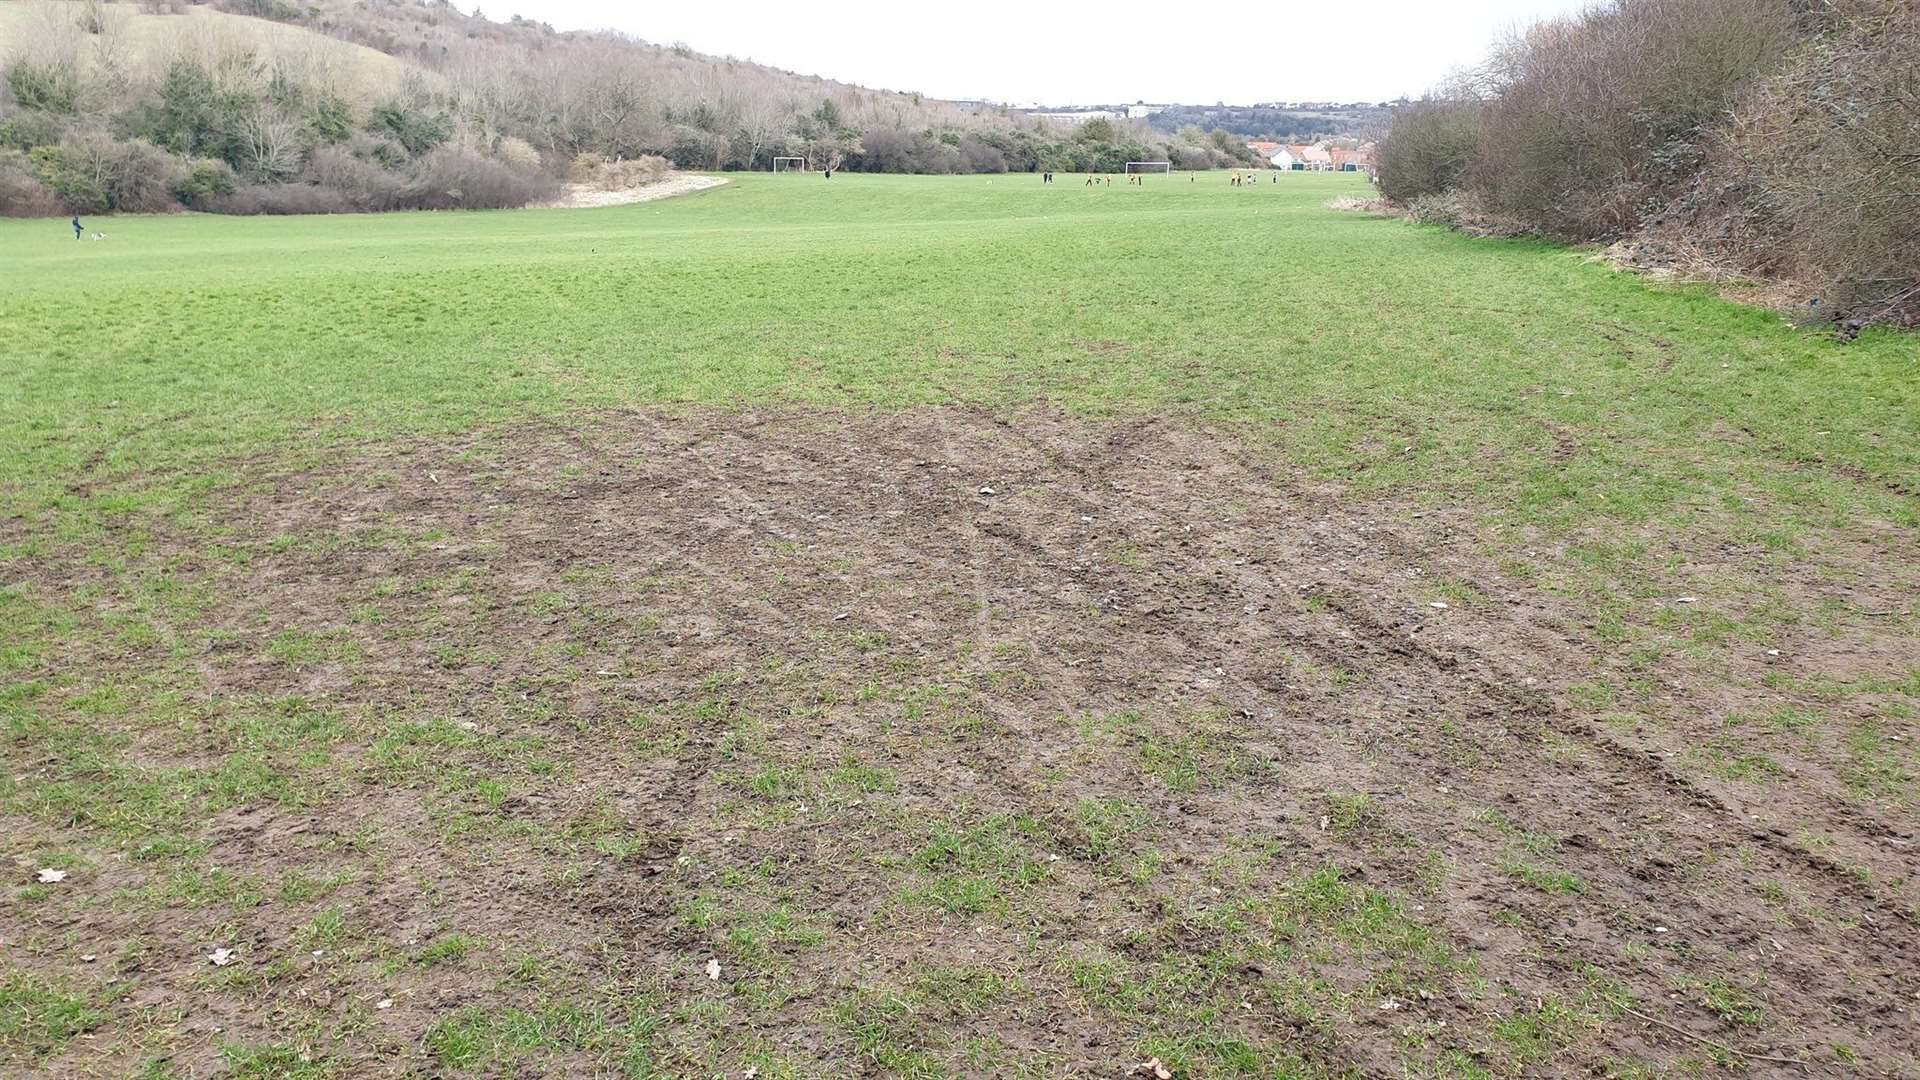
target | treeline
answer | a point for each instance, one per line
(1259, 122)
(1772, 139)
(412, 104)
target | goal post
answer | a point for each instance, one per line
(1149, 167)
(789, 164)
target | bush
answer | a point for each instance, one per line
(53, 87)
(639, 172)
(1825, 160)
(281, 199)
(1458, 209)
(144, 178)
(584, 167)
(358, 184)
(518, 153)
(1428, 148)
(204, 183)
(418, 132)
(21, 193)
(1597, 117)
(24, 131)
(92, 174)
(452, 178)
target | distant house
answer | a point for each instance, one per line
(1359, 160)
(1294, 157)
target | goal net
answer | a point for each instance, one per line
(789, 164)
(1149, 167)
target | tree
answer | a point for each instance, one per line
(271, 145)
(762, 122)
(1097, 130)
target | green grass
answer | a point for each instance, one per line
(1396, 355)
(907, 831)
(38, 1017)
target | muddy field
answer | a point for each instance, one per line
(932, 744)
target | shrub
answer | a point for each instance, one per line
(50, 87)
(416, 131)
(24, 131)
(1428, 148)
(518, 153)
(144, 178)
(1825, 158)
(452, 178)
(282, 199)
(581, 171)
(1596, 117)
(331, 120)
(359, 184)
(92, 174)
(21, 193)
(204, 183)
(638, 172)
(81, 190)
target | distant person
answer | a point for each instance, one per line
(79, 230)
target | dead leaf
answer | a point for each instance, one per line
(221, 957)
(48, 875)
(1154, 1068)
(713, 970)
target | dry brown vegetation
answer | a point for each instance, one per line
(1718, 137)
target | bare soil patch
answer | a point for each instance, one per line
(588, 196)
(963, 744)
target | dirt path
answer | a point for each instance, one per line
(586, 196)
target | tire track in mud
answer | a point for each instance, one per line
(1634, 782)
(1212, 610)
(1631, 784)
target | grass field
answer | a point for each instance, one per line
(932, 627)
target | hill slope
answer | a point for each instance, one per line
(340, 106)
(129, 41)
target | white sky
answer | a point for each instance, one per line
(1081, 51)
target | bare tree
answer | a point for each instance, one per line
(272, 144)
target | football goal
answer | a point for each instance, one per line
(789, 164)
(1150, 167)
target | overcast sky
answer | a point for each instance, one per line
(1066, 52)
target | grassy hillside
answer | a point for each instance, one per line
(146, 42)
(943, 627)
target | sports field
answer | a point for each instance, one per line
(926, 627)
